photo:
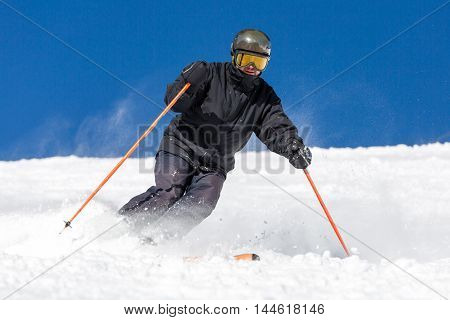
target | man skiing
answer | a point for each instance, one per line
(224, 105)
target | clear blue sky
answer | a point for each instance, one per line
(54, 102)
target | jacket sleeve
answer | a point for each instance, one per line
(275, 129)
(188, 98)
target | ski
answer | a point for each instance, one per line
(239, 257)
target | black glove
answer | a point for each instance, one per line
(196, 74)
(299, 155)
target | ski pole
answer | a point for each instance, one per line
(127, 155)
(333, 225)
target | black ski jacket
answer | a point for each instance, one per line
(219, 117)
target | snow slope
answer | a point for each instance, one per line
(394, 199)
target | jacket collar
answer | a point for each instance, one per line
(243, 82)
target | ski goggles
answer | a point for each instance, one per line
(243, 59)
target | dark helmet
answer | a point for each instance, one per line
(251, 40)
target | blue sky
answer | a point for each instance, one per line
(54, 102)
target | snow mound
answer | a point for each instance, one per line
(392, 203)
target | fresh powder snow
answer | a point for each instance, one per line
(391, 203)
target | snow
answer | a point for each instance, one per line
(393, 199)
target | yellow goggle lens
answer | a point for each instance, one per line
(245, 59)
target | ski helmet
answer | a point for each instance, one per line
(253, 41)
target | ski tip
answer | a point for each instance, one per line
(247, 257)
(239, 257)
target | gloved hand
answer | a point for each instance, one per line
(196, 74)
(299, 155)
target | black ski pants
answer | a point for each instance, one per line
(182, 197)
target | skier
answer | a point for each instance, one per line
(224, 105)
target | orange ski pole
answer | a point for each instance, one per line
(127, 155)
(333, 225)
